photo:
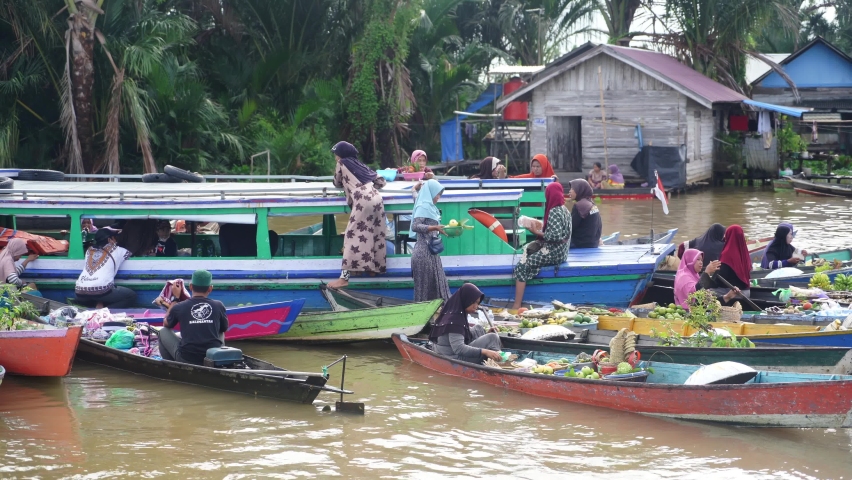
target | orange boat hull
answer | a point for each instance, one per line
(39, 353)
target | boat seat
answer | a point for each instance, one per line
(223, 357)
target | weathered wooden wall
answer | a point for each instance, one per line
(630, 97)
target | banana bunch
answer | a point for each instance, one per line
(821, 281)
(843, 283)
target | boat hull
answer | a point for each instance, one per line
(2, 374)
(39, 353)
(229, 380)
(820, 189)
(360, 325)
(823, 404)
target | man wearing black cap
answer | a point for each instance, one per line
(202, 321)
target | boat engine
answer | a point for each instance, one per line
(224, 357)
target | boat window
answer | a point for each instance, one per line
(46, 235)
(308, 235)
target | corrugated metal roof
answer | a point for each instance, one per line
(821, 117)
(791, 111)
(670, 68)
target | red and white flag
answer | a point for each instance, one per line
(660, 193)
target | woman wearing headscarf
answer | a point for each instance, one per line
(426, 268)
(540, 167)
(551, 244)
(615, 178)
(491, 168)
(735, 264)
(364, 242)
(586, 225)
(9, 271)
(452, 334)
(690, 278)
(96, 284)
(417, 164)
(710, 244)
(779, 252)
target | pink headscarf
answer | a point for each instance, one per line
(416, 154)
(686, 277)
(17, 247)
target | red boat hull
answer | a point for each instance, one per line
(39, 353)
(807, 404)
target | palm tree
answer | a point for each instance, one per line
(536, 30)
(618, 16)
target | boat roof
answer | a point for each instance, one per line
(111, 195)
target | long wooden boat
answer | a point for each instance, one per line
(251, 321)
(821, 189)
(763, 357)
(802, 335)
(809, 400)
(611, 274)
(365, 324)
(45, 352)
(299, 387)
(800, 280)
(662, 237)
(664, 294)
(342, 299)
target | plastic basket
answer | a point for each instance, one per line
(454, 231)
(413, 176)
(388, 174)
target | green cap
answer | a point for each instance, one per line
(202, 278)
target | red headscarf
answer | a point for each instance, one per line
(546, 168)
(554, 196)
(735, 253)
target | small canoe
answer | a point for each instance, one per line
(763, 357)
(364, 324)
(663, 293)
(821, 189)
(809, 400)
(663, 237)
(300, 387)
(342, 299)
(45, 352)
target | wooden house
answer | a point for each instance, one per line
(672, 104)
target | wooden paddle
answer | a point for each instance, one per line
(748, 300)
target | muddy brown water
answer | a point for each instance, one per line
(99, 423)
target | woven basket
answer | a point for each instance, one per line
(731, 314)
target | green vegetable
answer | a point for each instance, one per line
(623, 368)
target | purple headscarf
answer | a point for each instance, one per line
(615, 174)
(348, 157)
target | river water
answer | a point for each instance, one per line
(99, 423)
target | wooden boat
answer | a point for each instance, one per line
(782, 184)
(364, 324)
(45, 352)
(800, 280)
(342, 299)
(802, 335)
(763, 357)
(809, 400)
(2, 373)
(298, 387)
(663, 294)
(663, 237)
(821, 189)
(249, 321)
(639, 193)
(612, 274)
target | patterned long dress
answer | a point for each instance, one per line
(364, 247)
(426, 269)
(554, 251)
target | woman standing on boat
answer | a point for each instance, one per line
(735, 265)
(430, 282)
(96, 284)
(452, 334)
(15, 249)
(586, 225)
(551, 246)
(779, 252)
(364, 242)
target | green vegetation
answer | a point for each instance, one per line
(14, 311)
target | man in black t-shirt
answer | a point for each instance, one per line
(202, 321)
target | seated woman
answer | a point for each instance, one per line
(586, 224)
(551, 246)
(689, 278)
(735, 265)
(10, 273)
(539, 168)
(96, 284)
(710, 244)
(779, 253)
(452, 335)
(615, 179)
(88, 225)
(596, 175)
(491, 168)
(166, 245)
(417, 164)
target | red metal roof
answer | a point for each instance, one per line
(675, 71)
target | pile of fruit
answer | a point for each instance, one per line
(585, 372)
(672, 312)
(821, 281)
(843, 283)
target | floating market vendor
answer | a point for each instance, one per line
(364, 242)
(586, 225)
(491, 168)
(780, 252)
(417, 164)
(596, 175)
(96, 284)
(430, 283)
(539, 168)
(735, 264)
(690, 278)
(9, 271)
(710, 244)
(615, 179)
(452, 334)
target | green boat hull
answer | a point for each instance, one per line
(360, 325)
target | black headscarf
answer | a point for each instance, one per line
(453, 317)
(780, 249)
(348, 157)
(486, 168)
(711, 243)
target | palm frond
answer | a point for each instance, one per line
(8, 138)
(68, 116)
(139, 114)
(110, 163)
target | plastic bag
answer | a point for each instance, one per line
(783, 294)
(121, 339)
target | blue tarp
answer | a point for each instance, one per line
(791, 111)
(451, 137)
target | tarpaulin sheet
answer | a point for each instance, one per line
(667, 161)
(451, 136)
